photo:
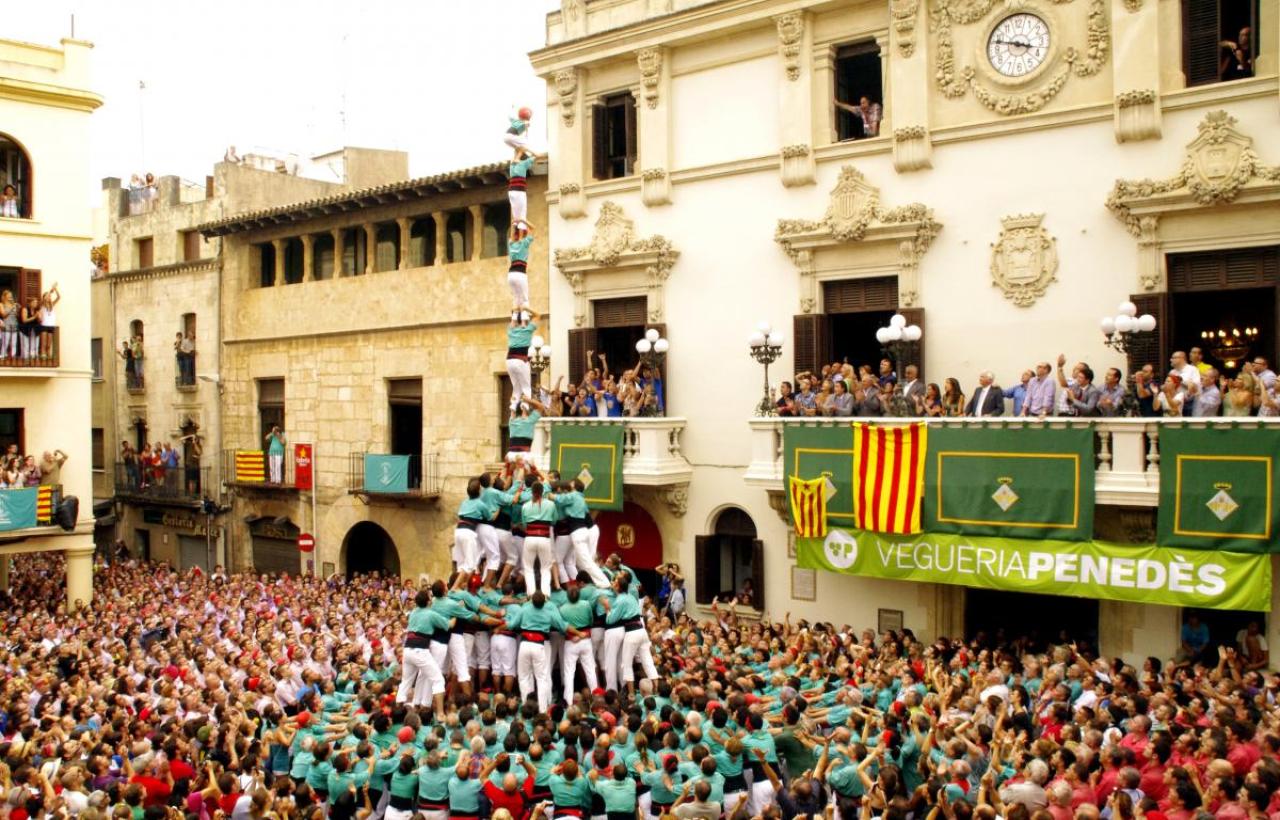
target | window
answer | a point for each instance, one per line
(457, 228)
(95, 358)
(322, 256)
(404, 406)
(270, 407)
(1219, 40)
(292, 261)
(493, 238)
(614, 146)
(144, 252)
(189, 325)
(12, 431)
(387, 253)
(422, 242)
(266, 265)
(15, 179)
(355, 248)
(192, 246)
(98, 450)
(858, 76)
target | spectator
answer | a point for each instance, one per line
(866, 114)
(841, 403)
(9, 204)
(988, 398)
(913, 389)
(931, 404)
(10, 313)
(30, 472)
(786, 402)
(1194, 639)
(51, 467)
(275, 454)
(29, 328)
(1040, 393)
(1082, 396)
(1146, 388)
(887, 374)
(1189, 379)
(952, 398)
(1240, 398)
(1111, 397)
(1019, 392)
(1235, 61)
(869, 404)
(806, 402)
(1209, 401)
(1169, 401)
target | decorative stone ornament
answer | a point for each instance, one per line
(1024, 260)
(567, 87)
(649, 61)
(790, 33)
(904, 14)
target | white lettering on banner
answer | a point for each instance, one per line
(986, 557)
(1151, 574)
(1093, 569)
(1040, 562)
(1211, 580)
(1064, 569)
(1015, 566)
(885, 551)
(1180, 575)
(1122, 570)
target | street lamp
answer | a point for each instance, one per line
(1121, 330)
(652, 347)
(899, 339)
(539, 357)
(766, 347)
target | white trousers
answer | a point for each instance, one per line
(514, 141)
(584, 556)
(762, 794)
(575, 653)
(566, 564)
(597, 642)
(481, 655)
(508, 547)
(635, 643)
(503, 651)
(466, 549)
(519, 201)
(420, 679)
(613, 638)
(490, 552)
(396, 814)
(459, 663)
(276, 463)
(534, 673)
(440, 652)
(521, 380)
(519, 284)
(537, 548)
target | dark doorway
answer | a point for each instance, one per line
(1225, 625)
(139, 434)
(618, 344)
(11, 430)
(858, 75)
(730, 558)
(1227, 326)
(368, 548)
(853, 338)
(404, 397)
(142, 544)
(1043, 618)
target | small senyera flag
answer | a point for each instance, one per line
(888, 469)
(250, 466)
(809, 506)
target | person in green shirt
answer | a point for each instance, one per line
(518, 255)
(572, 506)
(472, 512)
(433, 788)
(422, 681)
(618, 792)
(464, 790)
(402, 801)
(520, 430)
(534, 622)
(569, 789)
(577, 651)
(664, 784)
(518, 194)
(538, 515)
(275, 454)
(519, 338)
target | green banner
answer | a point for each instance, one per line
(1218, 487)
(18, 508)
(1083, 569)
(386, 474)
(591, 452)
(813, 451)
(1025, 482)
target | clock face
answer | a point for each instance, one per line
(1018, 45)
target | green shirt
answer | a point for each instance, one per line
(519, 248)
(275, 445)
(571, 793)
(624, 608)
(536, 619)
(572, 505)
(523, 426)
(846, 781)
(577, 615)
(618, 795)
(544, 511)
(520, 168)
(404, 785)
(475, 509)
(658, 790)
(717, 785)
(521, 335)
(464, 795)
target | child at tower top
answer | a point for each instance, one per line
(517, 136)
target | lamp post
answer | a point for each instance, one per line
(539, 358)
(766, 347)
(652, 347)
(900, 341)
(1121, 330)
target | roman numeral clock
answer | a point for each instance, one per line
(1024, 51)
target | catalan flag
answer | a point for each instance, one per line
(888, 468)
(809, 507)
(250, 466)
(44, 504)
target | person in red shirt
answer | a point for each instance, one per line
(514, 796)
(1138, 735)
(1241, 750)
(157, 781)
(1077, 777)
(1153, 783)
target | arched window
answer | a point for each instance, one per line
(15, 179)
(730, 562)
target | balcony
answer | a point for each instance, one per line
(173, 486)
(1126, 450)
(651, 454)
(391, 477)
(34, 357)
(251, 470)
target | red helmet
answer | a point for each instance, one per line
(525, 113)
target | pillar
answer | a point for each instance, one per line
(279, 245)
(653, 105)
(308, 257)
(442, 238)
(906, 88)
(404, 223)
(1135, 70)
(565, 97)
(370, 247)
(337, 234)
(477, 229)
(796, 164)
(80, 575)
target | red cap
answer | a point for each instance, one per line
(304, 718)
(609, 718)
(597, 692)
(525, 113)
(252, 684)
(405, 735)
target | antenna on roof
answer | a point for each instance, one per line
(73, 26)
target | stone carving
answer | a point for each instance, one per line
(912, 149)
(567, 88)
(1133, 5)
(1024, 260)
(904, 22)
(659, 7)
(790, 33)
(677, 498)
(793, 151)
(650, 62)
(910, 132)
(955, 81)
(655, 187)
(1149, 241)
(1218, 164)
(1137, 115)
(1128, 99)
(797, 165)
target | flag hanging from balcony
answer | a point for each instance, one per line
(809, 506)
(386, 473)
(1218, 488)
(18, 508)
(592, 453)
(250, 466)
(888, 468)
(1015, 483)
(44, 504)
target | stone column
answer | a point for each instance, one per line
(442, 237)
(79, 575)
(308, 257)
(370, 247)
(337, 234)
(568, 133)
(906, 91)
(886, 79)
(279, 245)
(653, 108)
(403, 222)
(795, 99)
(823, 90)
(1135, 71)
(477, 229)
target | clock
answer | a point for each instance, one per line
(1018, 45)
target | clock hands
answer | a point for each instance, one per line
(1014, 43)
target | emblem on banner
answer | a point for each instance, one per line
(1222, 504)
(1005, 497)
(841, 549)
(585, 477)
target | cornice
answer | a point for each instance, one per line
(164, 271)
(54, 96)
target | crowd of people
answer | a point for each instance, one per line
(159, 469)
(131, 351)
(27, 330)
(1189, 387)
(18, 471)
(216, 695)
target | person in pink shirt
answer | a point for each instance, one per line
(1139, 734)
(1241, 750)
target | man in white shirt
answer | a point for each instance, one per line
(1190, 375)
(995, 686)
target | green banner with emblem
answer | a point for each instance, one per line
(592, 453)
(1218, 487)
(823, 450)
(1023, 482)
(18, 508)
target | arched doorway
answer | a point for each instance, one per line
(368, 548)
(634, 535)
(729, 558)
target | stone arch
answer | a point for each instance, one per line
(367, 547)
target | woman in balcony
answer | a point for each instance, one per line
(9, 203)
(952, 398)
(275, 454)
(931, 405)
(48, 320)
(29, 328)
(10, 313)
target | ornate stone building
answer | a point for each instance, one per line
(1017, 171)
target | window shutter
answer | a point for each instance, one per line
(627, 312)
(580, 341)
(809, 334)
(1151, 348)
(633, 143)
(1201, 33)
(757, 572)
(707, 566)
(860, 295)
(599, 142)
(29, 286)
(915, 353)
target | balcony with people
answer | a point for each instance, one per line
(162, 473)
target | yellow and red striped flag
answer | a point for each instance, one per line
(809, 507)
(250, 466)
(44, 504)
(888, 466)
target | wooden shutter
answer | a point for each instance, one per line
(627, 312)
(860, 295)
(29, 286)
(707, 567)
(580, 341)
(1201, 33)
(757, 571)
(809, 335)
(1151, 348)
(633, 143)
(914, 316)
(599, 141)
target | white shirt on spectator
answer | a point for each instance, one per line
(999, 690)
(1190, 378)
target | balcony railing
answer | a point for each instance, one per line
(253, 469)
(393, 476)
(1126, 450)
(182, 484)
(651, 449)
(184, 374)
(38, 349)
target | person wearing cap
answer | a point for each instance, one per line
(533, 622)
(520, 333)
(516, 137)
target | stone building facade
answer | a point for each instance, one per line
(398, 348)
